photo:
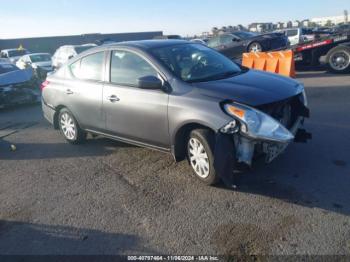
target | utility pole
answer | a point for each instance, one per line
(346, 16)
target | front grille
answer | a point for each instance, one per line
(285, 111)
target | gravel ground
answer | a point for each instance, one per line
(104, 197)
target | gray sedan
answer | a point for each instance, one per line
(178, 97)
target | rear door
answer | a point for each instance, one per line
(132, 113)
(83, 92)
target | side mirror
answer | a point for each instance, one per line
(149, 82)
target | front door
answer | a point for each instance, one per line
(132, 113)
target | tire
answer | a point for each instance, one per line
(200, 146)
(338, 60)
(255, 47)
(69, 127)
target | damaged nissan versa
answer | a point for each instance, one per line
(178, 97)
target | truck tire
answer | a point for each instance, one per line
(338, 60)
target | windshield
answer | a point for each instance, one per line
(196, 63)
(245, 35)
(14, 53)
(40, 58)
(80, 49)
(5, 68)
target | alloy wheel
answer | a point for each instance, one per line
(68, 126)
(199, 158)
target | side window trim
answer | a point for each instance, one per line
(108, 76)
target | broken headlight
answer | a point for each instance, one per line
(258, 125)
(303, 97)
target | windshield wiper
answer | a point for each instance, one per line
(216, 77)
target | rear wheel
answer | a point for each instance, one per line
(200, 154)
(255, 47)
(338, 60)
(69, 127)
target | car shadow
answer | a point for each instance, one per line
(20, 238)
(31, 151)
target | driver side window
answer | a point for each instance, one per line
(127, 67)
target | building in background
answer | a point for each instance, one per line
(261, 27)
(50, 44)
(331, 20)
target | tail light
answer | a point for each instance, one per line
(44, 84)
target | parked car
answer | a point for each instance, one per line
(233, 45)
(16, 86)
(64, 53)
(13, 54)
(178, 97)
(41, 64)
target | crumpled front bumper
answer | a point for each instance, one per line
(247, 148)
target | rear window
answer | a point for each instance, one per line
(80, 49)
(214, 42)
(13, 53)
(40, 58)
(292, 32)
(89, 68)
(6, 68)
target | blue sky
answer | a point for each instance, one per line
(24, 18)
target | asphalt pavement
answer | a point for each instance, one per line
(105, 197)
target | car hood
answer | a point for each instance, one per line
(16, 77)
(43, 64)
(252, 88)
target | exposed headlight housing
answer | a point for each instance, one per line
(258, 125)
(304, 98)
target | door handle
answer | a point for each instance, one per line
(69, 92)
(113, 98)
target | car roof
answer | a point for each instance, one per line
(37, 54)
(12, 49)
(91, 44)
(149, 44)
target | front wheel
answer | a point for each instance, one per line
(69, 127)
(200, 148)
(255, 47)
(338, 60)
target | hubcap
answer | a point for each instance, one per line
(198, 158)
(68, 126)
(340, 61)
